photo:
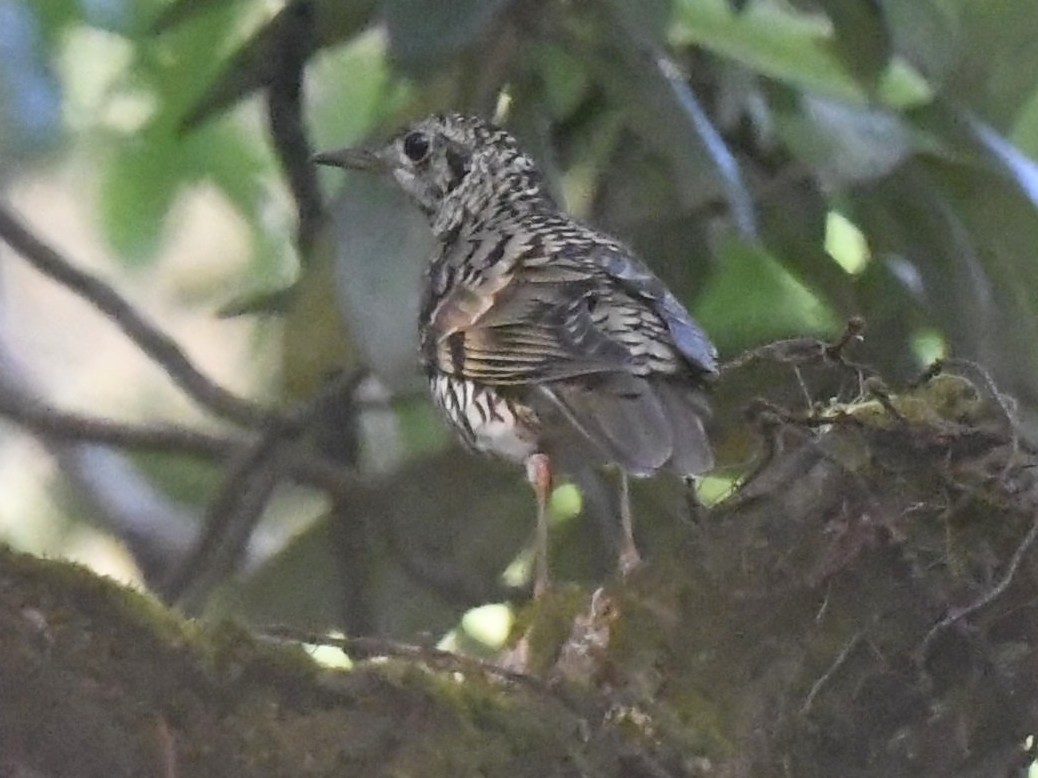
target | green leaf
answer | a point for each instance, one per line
(180, 11)
(258, 302)
(425, 33)
(795, 48)
(140, 184)
(563, 77)
(344, 110)
(255, 63)
(1024, 133)
(752, 299)
(994, 72)
(793, 227)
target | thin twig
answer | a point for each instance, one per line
(1004, 405)
(236, 512)
(371, 647)
(804, 350)
(45, 421)
(236, 509)
(230, 519)
(145, 335)
(986, 599)
(294, 42)
(827, 676)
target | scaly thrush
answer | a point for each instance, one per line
(542, 338)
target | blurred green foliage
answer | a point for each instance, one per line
(725, 140)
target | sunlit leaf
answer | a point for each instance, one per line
(752, 300)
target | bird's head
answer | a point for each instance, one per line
(448, 165)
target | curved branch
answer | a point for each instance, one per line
(145, 335)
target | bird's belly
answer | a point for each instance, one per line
(484, 419)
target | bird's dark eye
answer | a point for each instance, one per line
(416, 146)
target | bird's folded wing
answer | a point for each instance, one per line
(638, 280)
(510, 331)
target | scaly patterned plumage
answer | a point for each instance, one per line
(541, 337)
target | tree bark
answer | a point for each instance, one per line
(864, 605)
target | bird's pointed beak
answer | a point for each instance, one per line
(350, 159)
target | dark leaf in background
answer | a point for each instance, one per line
(438, 546)
(663, 107)
(842, 143)
(863, 39)
(927, 34)
(424, 33)
(646, 22)
(381, 243)
(793, 225)
(996, 59)
(909, 219)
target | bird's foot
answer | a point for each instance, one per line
(630, 560)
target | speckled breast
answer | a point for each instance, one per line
(485, 420)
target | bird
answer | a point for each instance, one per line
(544, 340)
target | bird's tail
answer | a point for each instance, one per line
(643, 426)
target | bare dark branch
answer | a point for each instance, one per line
(45, 421)
(996, 591)
(295, 42)
(230, 520)
(145, 335)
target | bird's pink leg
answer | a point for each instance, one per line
(629, 556)
(538, 473)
